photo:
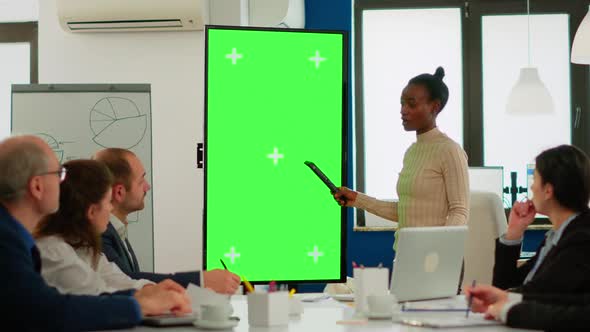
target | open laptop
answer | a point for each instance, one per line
(428, 262)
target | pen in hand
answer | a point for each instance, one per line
(222, 263)
(470, 300)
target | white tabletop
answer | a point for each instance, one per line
(329, 315)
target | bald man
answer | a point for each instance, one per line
(128, 195)
(30, 176)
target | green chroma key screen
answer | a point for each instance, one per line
(274, 99)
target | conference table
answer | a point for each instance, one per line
(329, 315)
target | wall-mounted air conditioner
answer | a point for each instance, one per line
(258, 13)
(131, 15)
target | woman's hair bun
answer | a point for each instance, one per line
(439, 73)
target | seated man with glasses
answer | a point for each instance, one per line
(29, 191)
(61, 172)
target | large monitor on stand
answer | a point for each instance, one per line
(274, 99)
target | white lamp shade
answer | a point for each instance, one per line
(529, 95)
(581, 45)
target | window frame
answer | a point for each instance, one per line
(24, 32)
(578, 73)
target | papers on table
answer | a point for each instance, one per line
(343, 297)
(448, 322)
(320, 300)
(457, 303)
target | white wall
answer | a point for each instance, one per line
(172, 62)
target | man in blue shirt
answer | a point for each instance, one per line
(30, 175)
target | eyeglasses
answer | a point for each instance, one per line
(61, 173)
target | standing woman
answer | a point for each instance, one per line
(433, 185)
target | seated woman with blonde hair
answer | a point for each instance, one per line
(69, 239)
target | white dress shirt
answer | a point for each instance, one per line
(513, 299)
(121, 229)
(71, 272)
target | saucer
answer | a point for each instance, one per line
(216, 325)
(379, 315)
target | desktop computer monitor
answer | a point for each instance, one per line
(487, 178)
(530, 177)
(274, 98)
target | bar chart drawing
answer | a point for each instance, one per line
(110, 117)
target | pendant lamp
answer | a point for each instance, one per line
(581, 45)
(529, 95)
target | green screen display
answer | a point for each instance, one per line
(274, 99)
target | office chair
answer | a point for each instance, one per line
(487, 221)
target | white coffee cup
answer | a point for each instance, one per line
(216, 312)
(382, 304)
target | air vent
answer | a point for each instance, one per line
(118, 25)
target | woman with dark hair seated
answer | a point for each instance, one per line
(69, 239)
(561, 191)
(555, 283)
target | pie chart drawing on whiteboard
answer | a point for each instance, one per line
(53, 144)
(117, 122)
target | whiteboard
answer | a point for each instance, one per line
(76, 120)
